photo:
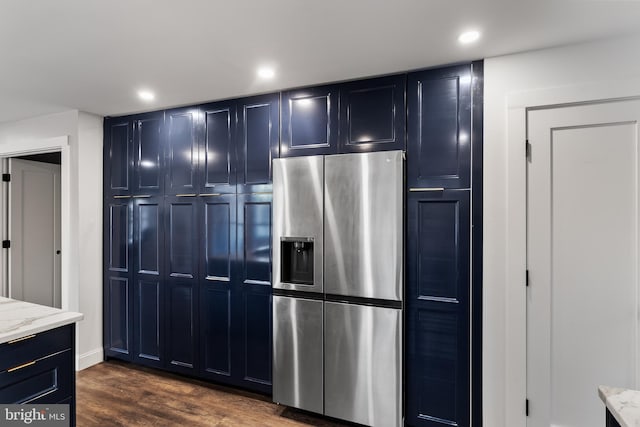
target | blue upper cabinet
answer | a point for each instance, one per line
(182, 150)
(148, 153)
(257, 143)
(310, 121)
(118, 155)
(217, 160)
(372, 115)
(439, 128)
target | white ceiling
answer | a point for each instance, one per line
(94, 55)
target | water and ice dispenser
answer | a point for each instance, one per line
(296, 266)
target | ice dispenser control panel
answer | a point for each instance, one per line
(296, 260)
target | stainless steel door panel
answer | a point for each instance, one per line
(363, 225)
(363, 364)
(297, 353)
(297, 212)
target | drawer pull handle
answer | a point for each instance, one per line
(121, 197)
(415, 190)
(210, 195)
(22, 366)
(28, 337)
(185, 195)
(141, 197)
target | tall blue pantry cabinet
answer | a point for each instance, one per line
(187, 228)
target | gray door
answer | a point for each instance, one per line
(297, 353)
(363, 364)
(297, 214)
(363, 225)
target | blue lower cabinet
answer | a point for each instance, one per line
(437, 309)
(180, 332)
(40, 369)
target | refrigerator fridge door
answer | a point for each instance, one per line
(363, 225)
(297, 353)
(363, 364)
(297, 223)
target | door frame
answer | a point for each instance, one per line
(68, 288)
(515, 332)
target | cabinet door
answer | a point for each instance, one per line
(438, 326)
(148, 298)
(182, 147)
(254, 290)
(181, 278)
(439, 128)
(217, 173)
(118, 288)
(372, 115)
(257, 143)
(118, 155)
(217, 253)
(310, 121)
(148, 153)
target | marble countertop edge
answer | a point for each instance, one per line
(624, 404)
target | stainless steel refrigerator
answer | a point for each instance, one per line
(338, 285)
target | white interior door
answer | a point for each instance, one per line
(34, 231)
(582, 257)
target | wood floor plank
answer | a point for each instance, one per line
(119, 394)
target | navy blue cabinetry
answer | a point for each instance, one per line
(118, 288)
(181, 283)
(438, 287)
(218, 329)
(217, 159)
(257, 141)
(118, 156)
(148, 298)
(372, 115)
(148, 153)
(182, 150)
(310, 121)
(439, 127)
(253, 291)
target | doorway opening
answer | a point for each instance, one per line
(31, 194)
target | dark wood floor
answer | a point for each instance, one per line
(118, 394)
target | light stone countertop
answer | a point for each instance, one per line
(19, 319)
(624, 404)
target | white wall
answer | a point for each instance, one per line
(606, 62)
(85, 229)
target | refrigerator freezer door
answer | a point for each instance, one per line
(363, 364)
(297, 353)
(363, 225)
(297, 217)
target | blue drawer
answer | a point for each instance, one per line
(33, 347)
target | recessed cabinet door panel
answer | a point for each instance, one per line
(181, 247)
(118, 305)
(118, 235)
(148, 321)
(182, 150)
(217, 254)
(181, 328)
(372, 115)
(439, 128)
(310, 121)
(257, 144)
(254, 284)
(118, 151)
(148, 153)
(148, 240)
(217, 161)
(438, 288)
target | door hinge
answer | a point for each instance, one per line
(526, 407)
(6, 177)
(526, 278)
(527, 149)
(6, 244)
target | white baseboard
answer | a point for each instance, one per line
(90, 358)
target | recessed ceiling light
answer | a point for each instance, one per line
(469, 37)
(266, 72)
(146, 95)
